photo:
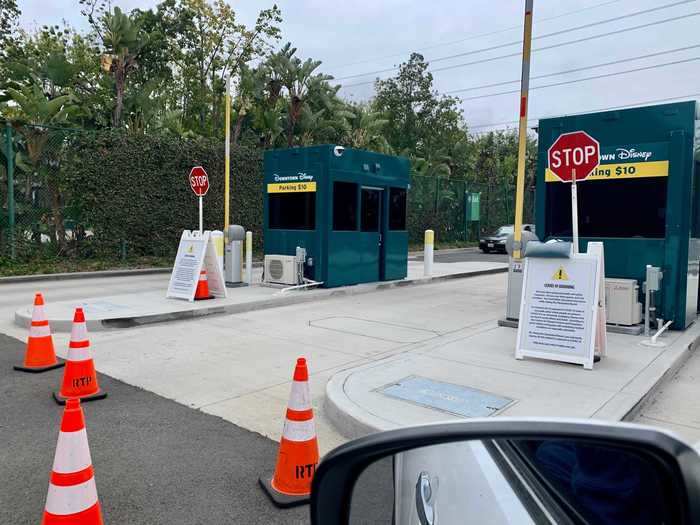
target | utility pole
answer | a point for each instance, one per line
(227, 158)
(522, 132)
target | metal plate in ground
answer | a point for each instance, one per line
(453, 399)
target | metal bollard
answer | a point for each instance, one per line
(249, 258)
(428, 253)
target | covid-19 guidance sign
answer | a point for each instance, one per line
(558, 309)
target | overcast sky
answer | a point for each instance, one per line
(364, 36)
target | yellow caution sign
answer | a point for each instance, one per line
(560, 275)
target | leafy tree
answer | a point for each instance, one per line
(9, 13)
(420, 121)
(211, 45)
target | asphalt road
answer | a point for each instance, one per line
(156, 461)
(465, 255)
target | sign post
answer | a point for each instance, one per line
(574, 212)
(573, 157)
(199, 182)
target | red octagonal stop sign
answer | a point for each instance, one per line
(199, 181)
(571, 153)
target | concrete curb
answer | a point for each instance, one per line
(90, 275)
(81, 275)
(353, 421)
(23, 316)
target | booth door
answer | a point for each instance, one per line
(371, 232)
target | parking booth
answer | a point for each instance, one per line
(641, 201)
(345, 207)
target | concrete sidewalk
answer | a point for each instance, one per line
(362, 399)
(151, 306)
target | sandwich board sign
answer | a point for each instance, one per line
(195, 252)
(559, 309)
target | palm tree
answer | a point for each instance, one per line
(367, 130)
(121, 39)
(298, 78)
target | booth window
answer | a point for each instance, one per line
(370, 209)
(292, 211)
(397, 208)
(344, 206)
(611, 208)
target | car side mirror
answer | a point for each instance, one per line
(505, 471)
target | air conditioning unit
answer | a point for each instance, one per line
(281, 269)
(622, 306)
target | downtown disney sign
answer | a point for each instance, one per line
(632, 161)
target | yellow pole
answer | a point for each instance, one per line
(522, 132)
(227, 160)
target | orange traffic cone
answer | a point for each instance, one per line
(79, 377)
(298, 452)
(72, 497)
(202, 287)
(40, 355)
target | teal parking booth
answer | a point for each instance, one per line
(345, 207)
(642, 201)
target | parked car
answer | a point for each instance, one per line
(508, 471)
(496, 242)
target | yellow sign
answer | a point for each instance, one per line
(560, 275)
(291, 187)
(633, 170)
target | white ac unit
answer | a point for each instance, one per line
(622, 306)
(281, 269)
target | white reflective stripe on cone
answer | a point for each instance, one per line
(203, 277)
(40, 331)
(71, 500)
(72, 452)
(300, 397)
(79, 332)
(299, 430)
(38, 313)
(79, 354)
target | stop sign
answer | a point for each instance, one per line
(574, 152)
(199, 181)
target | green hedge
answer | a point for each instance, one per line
(135, 188)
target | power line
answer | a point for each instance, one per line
(518, 42)
(553, 46)
(578, 69)
(610, 108)
(480, 35)
(596, 77)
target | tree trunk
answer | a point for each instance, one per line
(59, 230)
(119, 85)
(237, 129)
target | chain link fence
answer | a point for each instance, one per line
(441, 204)
(37, 219)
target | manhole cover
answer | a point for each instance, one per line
(454, 399)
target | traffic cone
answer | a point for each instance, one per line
(298, 452)
(79, 377)
(40, 355)
(72, 496)
(202, 287)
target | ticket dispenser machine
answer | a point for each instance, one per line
(345, 207)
